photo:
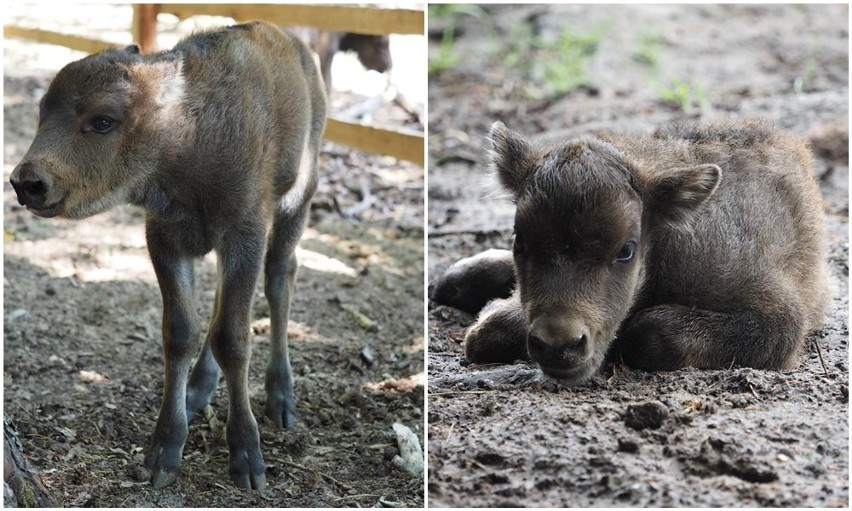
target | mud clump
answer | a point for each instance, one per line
(650, 415)
(719, 457)
(629, 445)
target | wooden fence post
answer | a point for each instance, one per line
(145, 26)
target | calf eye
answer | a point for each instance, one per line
(102, 124)
(625, 255)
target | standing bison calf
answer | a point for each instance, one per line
(218, 140)
(695, 247)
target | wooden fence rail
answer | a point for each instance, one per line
(402, 144)
(74, 42)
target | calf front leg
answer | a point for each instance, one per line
(668, 337)
(499, 334)
(180, 342)
(240, 255)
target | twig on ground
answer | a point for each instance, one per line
(317, 472)
(359, 496)
(821, 360)
(455, 392)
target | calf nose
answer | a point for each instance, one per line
(559, 351)
(557, 342)
(30, 188)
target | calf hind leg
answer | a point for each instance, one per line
(204, 379)
(240, 256)
(280, 277)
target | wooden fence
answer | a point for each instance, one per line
(400, 143)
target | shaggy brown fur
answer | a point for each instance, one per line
(218, 139)
(700, 246)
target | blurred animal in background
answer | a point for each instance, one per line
(373, 51)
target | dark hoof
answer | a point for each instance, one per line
(650, 341)
(248, 470)
(202, 386)
(499, 336)
(474, 281)
(196, 400)
(281, 411)
(161, 478)
(162, 464)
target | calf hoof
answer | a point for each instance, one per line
(281, 410)
(161, 479)
(202, 386)
(196, 399)
(162, 465)
(248, 470)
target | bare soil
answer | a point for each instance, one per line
(82, 356)
(505, 435)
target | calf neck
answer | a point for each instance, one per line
(218, 140)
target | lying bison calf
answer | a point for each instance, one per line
(695, 247)
(218, 140)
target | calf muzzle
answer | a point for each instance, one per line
(32, 189)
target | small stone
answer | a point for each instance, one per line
(368, 356)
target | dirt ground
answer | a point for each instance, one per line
(505, 435)
(82, 357)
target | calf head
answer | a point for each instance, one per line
(373, 50)
(583, 221)
(103, 124)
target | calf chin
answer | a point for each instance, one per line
(573, 375)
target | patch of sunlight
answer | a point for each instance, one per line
(408, 74)
(372, 254)
(323, 263)
(409, 384)
(296, 331)
(116, 266)
(415, 346)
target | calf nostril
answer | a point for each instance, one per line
(35, 188)
(575, 346)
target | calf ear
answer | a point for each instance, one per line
(512, 156)
(679, 192)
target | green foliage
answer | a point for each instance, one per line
(648, 48)
(553, 67)
(445, 58)
(684, 95)
(803, 81)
